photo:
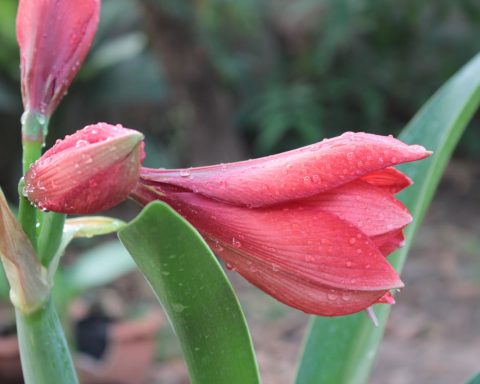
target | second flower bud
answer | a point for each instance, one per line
(90, 171)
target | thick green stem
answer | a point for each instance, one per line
(43, 349)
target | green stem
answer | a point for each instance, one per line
(49, 236)
(43, 349)
(34, 127)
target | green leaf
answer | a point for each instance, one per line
(85, 226)
(98, 266)
(196, 295)
(341, 350)
(475, 379)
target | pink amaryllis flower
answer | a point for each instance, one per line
(311, 227)
(54, 37)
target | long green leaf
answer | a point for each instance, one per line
(341, 350)
(475, 379)
(196, 295)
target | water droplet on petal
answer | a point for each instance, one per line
(81, 143)
(332, 295)
(236, 243)
(346, 296)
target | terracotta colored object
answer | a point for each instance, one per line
(129, 354)
(10, 366)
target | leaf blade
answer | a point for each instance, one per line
(196, 295)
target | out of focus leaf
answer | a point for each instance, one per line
(98, 266)
(342, 350)
(196, 295)
(475, 379)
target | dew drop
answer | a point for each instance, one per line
(348, 264)
(185, 172)
(23, 118)
(81, 143)
(236, 243)
(352, 240)
(41, 119)
(177, 307)
(346, 296)
(331, 295)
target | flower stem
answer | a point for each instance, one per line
(49, 236)
(34, 127)
(43, 350)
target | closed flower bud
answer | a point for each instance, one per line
(90, 171)
(54, 37)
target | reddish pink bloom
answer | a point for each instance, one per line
(311, 227)
(90, 171)
(54, 37)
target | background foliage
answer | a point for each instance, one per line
(290, 72)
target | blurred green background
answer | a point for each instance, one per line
(220, 80)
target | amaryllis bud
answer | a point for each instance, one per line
(90, 171)
(312, 227)
(54, 37)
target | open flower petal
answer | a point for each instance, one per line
(294, 290)
(314, 245)
(371, 209)
(292, 175)
(389, 178)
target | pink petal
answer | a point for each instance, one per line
(387, 299)
(389, 178)
(312, 245)
(389, 242)
(292, 175)
(371, 209)
(54, 37)
(295, 291)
